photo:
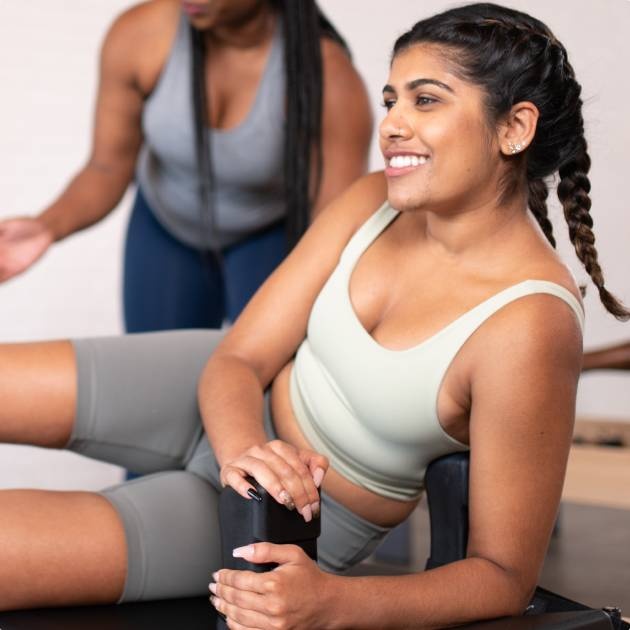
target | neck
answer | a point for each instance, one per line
(246, 31)
(477, 230)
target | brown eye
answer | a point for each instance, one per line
(388, 103)
(425, 100)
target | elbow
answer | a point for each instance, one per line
(514, 589)
(518, 603)
(519, 593)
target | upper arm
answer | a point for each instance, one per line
(266, 335)
(346, 124)
(117, 134)
(522, 412)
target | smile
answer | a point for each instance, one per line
(406, 161)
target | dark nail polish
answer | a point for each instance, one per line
(254, 495)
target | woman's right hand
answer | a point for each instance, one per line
(22, 241)
(292, 476)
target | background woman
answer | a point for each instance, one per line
(214, 212)
(343, 352)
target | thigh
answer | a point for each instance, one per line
(167, 285)
(248, 264)
(171, 526)
(59, 549)
(346, 539)
(137, 398)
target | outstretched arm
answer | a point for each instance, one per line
(96, 189)
(99, 185)
(523, 385)
(615, 357)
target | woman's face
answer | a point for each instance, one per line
(206, 14)
(440, 153)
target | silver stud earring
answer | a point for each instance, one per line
(515, 148)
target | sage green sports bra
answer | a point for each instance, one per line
(373, 411)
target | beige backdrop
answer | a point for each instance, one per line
(48, 53)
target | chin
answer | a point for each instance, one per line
(405, 201)
(201, 23)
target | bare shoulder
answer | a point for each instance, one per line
(343, 85)
(357, 203)
(335, 225)
(339, 71)
(336, 61)
(153, 18)
(140, 39)
(537, 335)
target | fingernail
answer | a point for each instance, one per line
(318, 476)
(243, 552)
(215, 576)
(315, 508)
(213, 588)
(286, 499)
(253, 494)
(307, 513)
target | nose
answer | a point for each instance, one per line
(394, 127)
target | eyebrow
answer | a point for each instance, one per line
(412, 85)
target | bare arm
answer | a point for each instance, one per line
(98, 186)
(346, 125)
(267, 334)
(615, 357)
(520, 428)
(96, 189)
(520, 431)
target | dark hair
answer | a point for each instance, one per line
(515, 57)
(304, 24)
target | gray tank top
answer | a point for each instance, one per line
(247, 160)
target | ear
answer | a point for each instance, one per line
(516, 131)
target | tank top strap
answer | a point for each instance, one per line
(367, 233)
(440, 350)
(477, 315)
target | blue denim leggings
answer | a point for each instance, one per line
(169, 285)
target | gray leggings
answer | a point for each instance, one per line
(137, 407)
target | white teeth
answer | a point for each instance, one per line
(405, 161)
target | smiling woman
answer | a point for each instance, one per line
(424, 312)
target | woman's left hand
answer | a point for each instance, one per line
(293, 595)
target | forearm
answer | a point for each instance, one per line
(457, 593)
(231, 404)
(612, 358)
(91, 195)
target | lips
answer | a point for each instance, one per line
(191, 8)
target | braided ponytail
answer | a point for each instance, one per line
(514, 57)
(573, 192)
(538, 193)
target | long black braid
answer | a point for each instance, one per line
(304, 24)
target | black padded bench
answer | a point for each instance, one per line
(198, 614)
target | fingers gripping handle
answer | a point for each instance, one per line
(246, 521)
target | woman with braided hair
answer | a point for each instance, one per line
(216, 209)
(424, 312)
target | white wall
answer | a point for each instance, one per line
(48, 62)
(48, 74)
